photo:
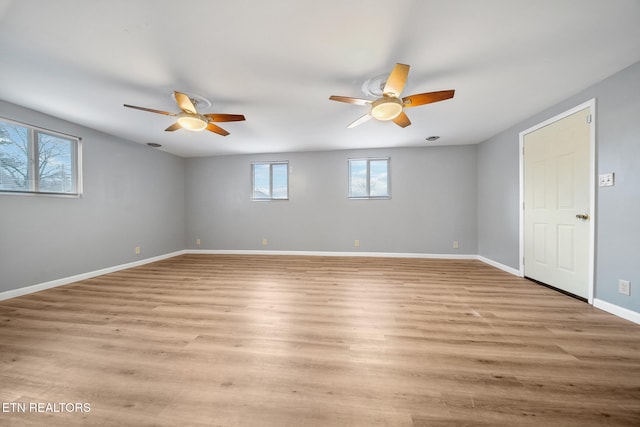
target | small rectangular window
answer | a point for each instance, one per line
(34, 160)
(369, 178)
(270, 181)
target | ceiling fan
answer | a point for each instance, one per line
(391, 106)
(190, 119)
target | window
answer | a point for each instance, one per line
(34, 160)
(270, 181)
(369, 178)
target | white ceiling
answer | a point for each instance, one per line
(278, 61)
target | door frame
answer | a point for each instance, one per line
(592, 185)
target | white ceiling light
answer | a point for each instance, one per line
(192, 121)
(386, 108)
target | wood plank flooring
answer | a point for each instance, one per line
(239, 340)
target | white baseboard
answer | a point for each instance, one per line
(67, 280)
(358, 254)
(502, 267)
(625, 313)
(329, 253)
(84, 276)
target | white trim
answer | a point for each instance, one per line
(488, 261)
(329, 253)
(625, 313)
(591, 104)
(84, 276)
(67, 280)
(502, 267)
(592, 202)
(521, 202)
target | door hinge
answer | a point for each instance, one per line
(589, 118)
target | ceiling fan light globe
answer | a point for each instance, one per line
(387, 108)
(193, 122)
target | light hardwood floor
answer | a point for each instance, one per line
(222, 340)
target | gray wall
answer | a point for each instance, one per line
(498, 197)
(617, 208)
(133, 196)
(433, 203)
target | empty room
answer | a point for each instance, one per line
(303, 213)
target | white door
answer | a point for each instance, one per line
(557, 202)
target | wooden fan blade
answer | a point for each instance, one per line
(225, 117)
(402, 120)
(173, 127)
(184, 102)
(427, 98)
(217, 129)
(361, 120)
(151, 110)
(350, 100)
(396, 80)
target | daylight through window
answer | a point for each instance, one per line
(34, 160)
(270, 181)
(369, 178)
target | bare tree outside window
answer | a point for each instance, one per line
(55, 164)
(35, 161)
(14, 158)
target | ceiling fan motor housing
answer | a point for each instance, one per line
(386, 108)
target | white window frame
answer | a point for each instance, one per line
(33, 161)
(270, 197)
(368, 196)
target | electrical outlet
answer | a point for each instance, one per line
(455, 244)
(356, 243)
(137, 250)
(264, 242)
(624, 287)
(606, 180)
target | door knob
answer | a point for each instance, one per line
(582, 217)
